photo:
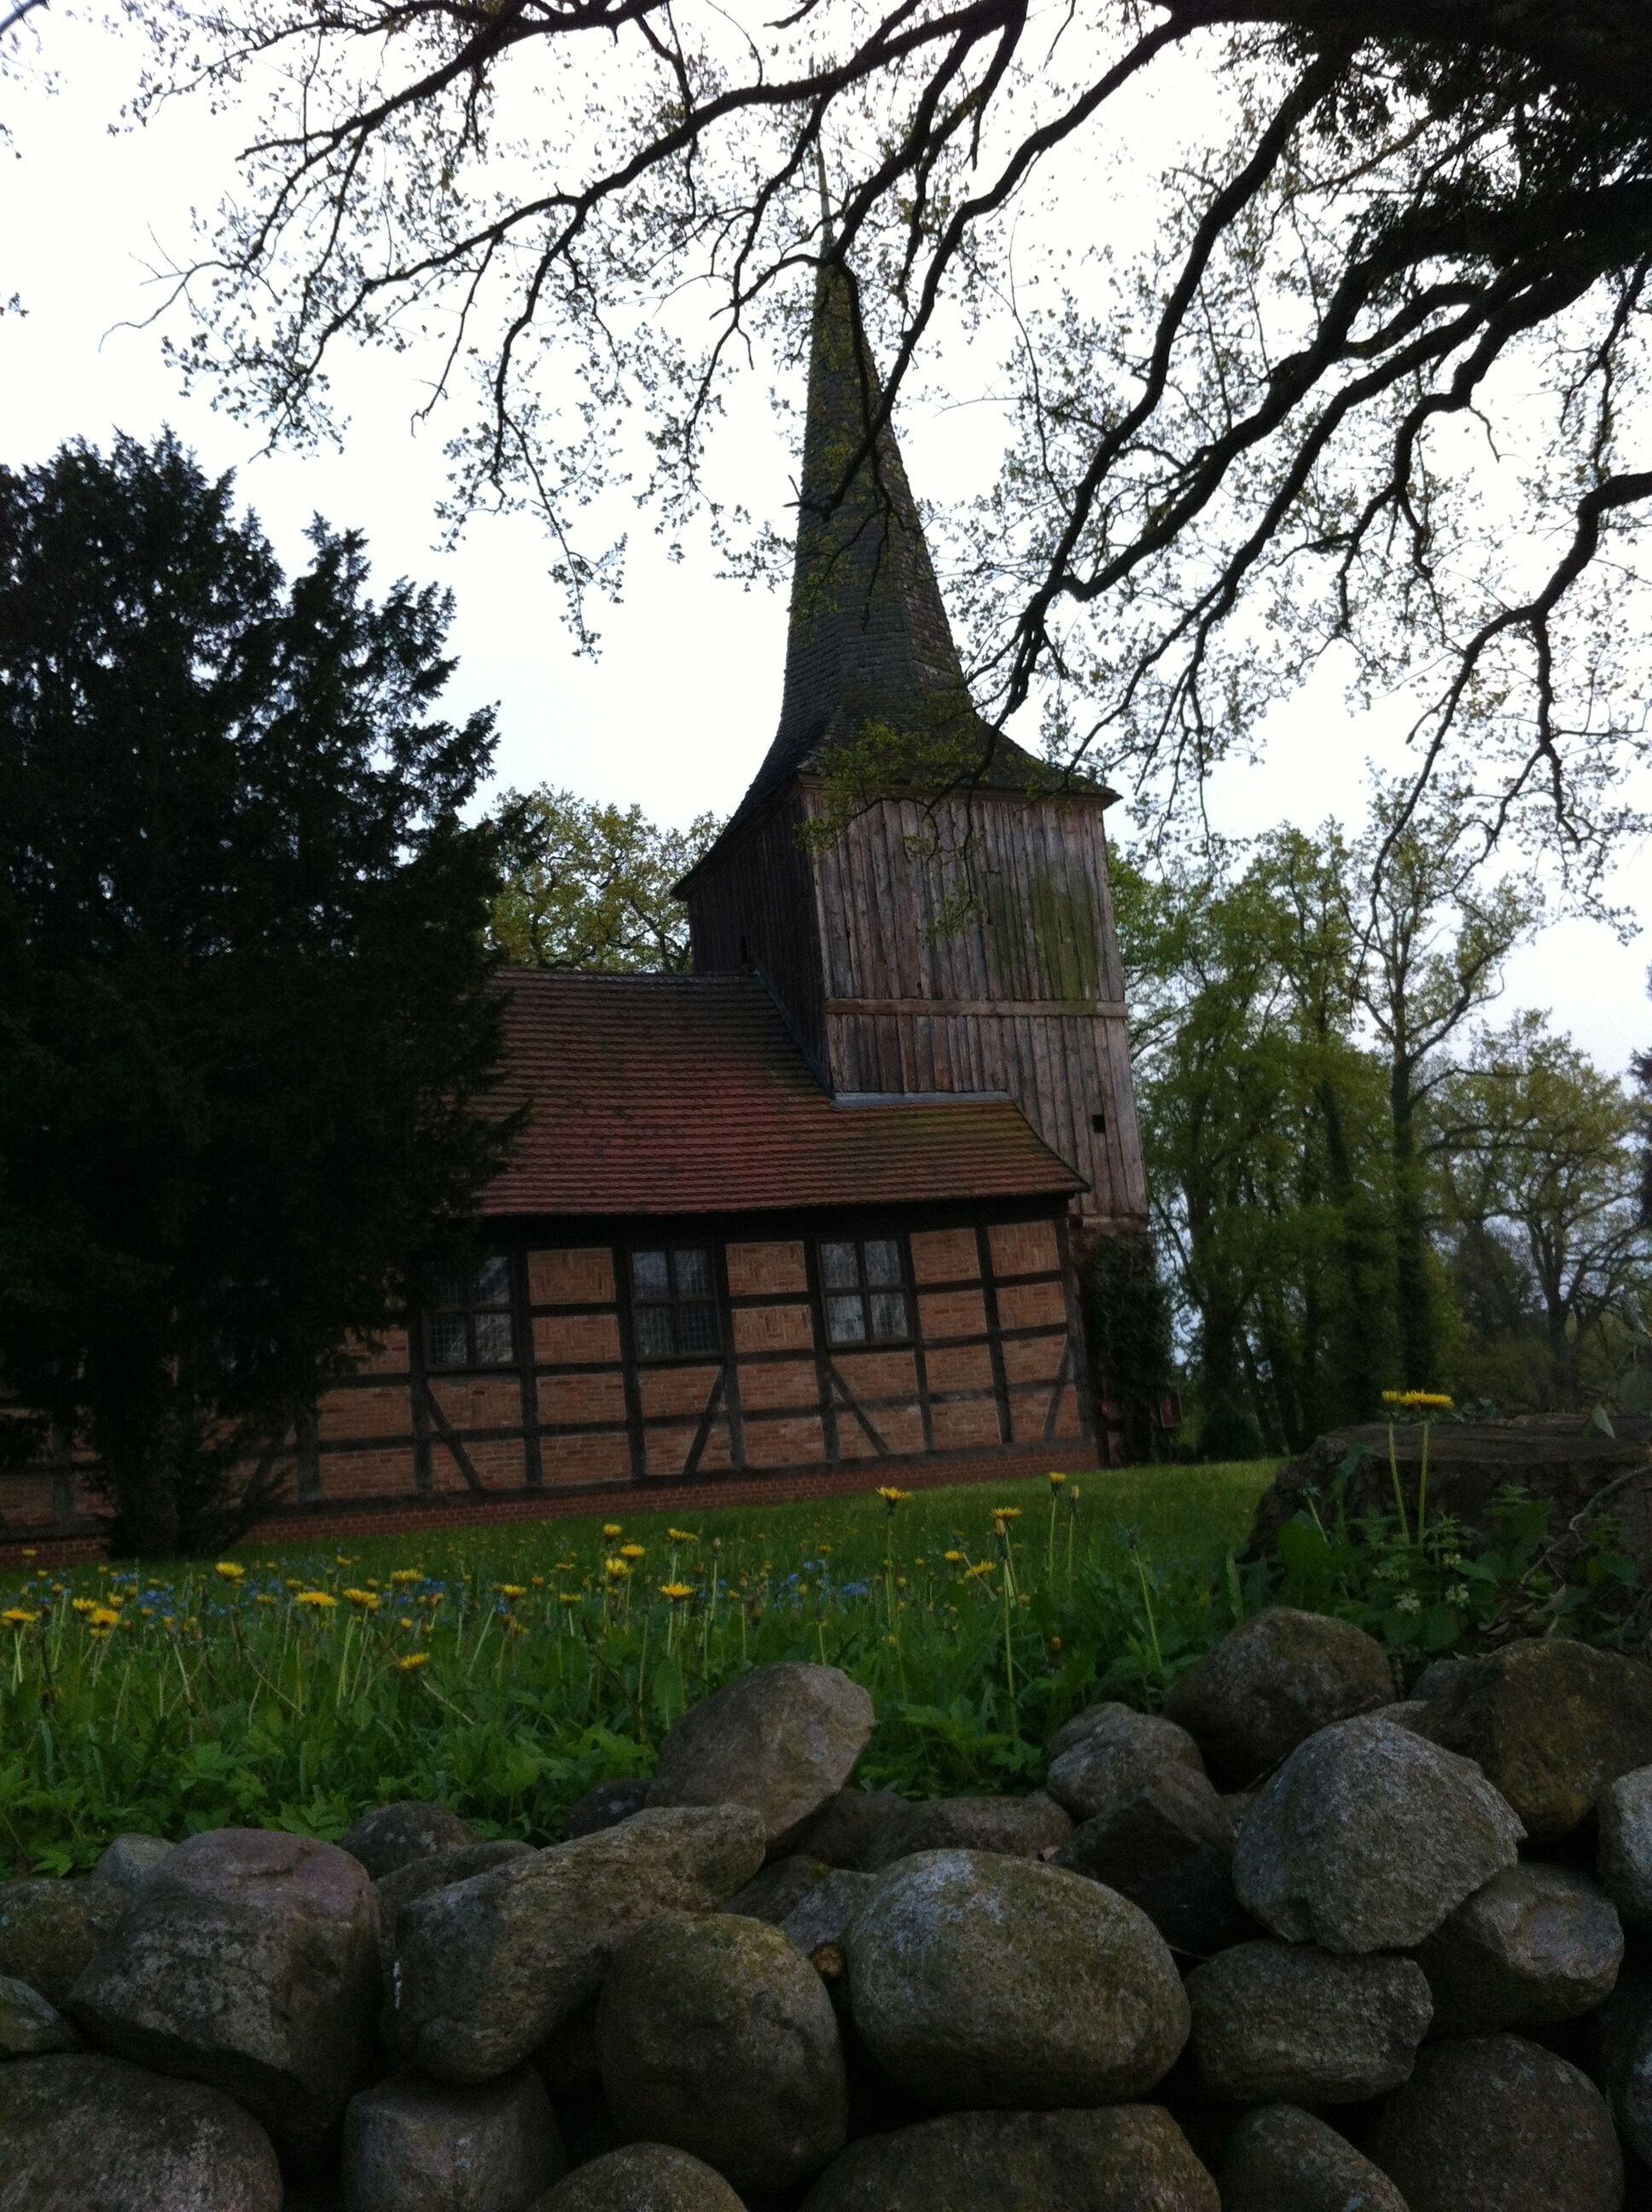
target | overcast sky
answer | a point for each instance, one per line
(678, 708)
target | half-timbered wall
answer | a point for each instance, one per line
(992, 1363)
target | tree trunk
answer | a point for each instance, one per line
(1415, 1303)
(1355, 1382)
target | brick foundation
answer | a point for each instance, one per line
(332, 1520)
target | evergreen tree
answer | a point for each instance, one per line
(245, 1019)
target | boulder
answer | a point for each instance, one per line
(824, 1914)
(1624, 1838)
(1494, 2123)
(485, 1969)
(605, 1805)
(90, 2134)
(1549, 1722)
(1119, 1751)
(783, 1740)
(1537, 1945)
(1108, 1718)
(773, 1892)
(1368, 1836)
(1167, 1846)
(30, 2026)
(1273, 1682)
(1625, 2053)
(643, 2178)
(1287, 2023)
(842, 1834)
(976, 1980)
(129, 1861)
(1132, 2158)
(393, 1836)
(439, 1871)
(1019, 1827)
(716, 2036)
(1282, 2160)
(248, 1960)
(415, 2146)
(50, 1930)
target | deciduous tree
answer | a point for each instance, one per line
(587, 886)
(1387, 229)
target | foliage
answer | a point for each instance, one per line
(1127, 1328)
(589, 887)
(1542, 1181)
(1426, 1593)
(1376, 229)
(1352, 1183)
(244, 1013)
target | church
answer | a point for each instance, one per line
(810, 1215)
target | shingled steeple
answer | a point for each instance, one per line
(868, 641)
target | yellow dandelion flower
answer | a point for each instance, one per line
(262, 1598)
(633, 1551)
(569, 1597)
(1418, 1401)
(1006, 1513)
(230, 1571)
(617, 1570)
(538, 1581)
(412, 1662)
(82, 1605)
(953, 1559)
(611, 1529)
(677, 1591)
(1056, 1481)
(683, 1536)
(292, 1583)
(104, 1616)
(318, 1600)
(981, 1567)
(565, 1566)
(404, 1577)
(892, 1497)
(364, 1601)
(17, 1616)
(512, 1590)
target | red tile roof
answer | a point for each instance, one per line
(686, 1094)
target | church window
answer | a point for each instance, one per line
(470, 1321)
(674, 1304)
(864, 1283)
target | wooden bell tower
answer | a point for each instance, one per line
(952, 931)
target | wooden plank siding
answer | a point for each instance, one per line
(970, 945)
(992, 1362)
(756, 909)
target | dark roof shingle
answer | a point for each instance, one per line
(680, 1094)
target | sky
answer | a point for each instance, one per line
(677, 706)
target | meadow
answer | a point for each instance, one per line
(503, 1671)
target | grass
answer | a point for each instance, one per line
(504, 1670)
